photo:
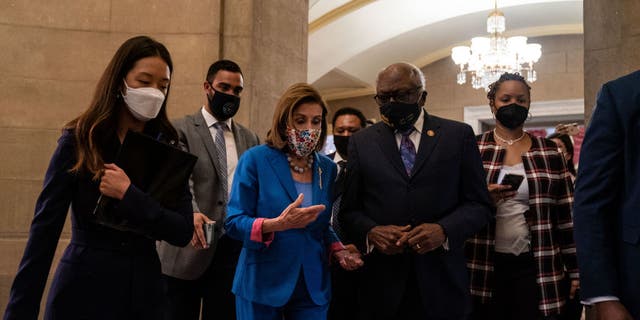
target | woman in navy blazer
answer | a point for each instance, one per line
(279, 208)
(104, 273)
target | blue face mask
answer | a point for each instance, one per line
(512, 116)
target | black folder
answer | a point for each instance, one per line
(159, 169)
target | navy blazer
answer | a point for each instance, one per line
(607, 196)
(447, 186)
(262, 188)
(103, 273)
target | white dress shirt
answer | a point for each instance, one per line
(415, 134)
(337, 158)
(229, 141)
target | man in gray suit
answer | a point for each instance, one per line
(200, 275)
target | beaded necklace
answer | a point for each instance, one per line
(303, 168)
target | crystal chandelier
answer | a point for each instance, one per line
(488, 58)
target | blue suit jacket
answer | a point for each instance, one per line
(607, 196)
(263, 187)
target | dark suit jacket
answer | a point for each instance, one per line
(103, 273)
(447, 187)
(607, 205)
(189, 263)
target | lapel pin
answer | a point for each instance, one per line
(430, 133)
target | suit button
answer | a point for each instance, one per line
(220, 203)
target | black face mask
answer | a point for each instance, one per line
(223, 106)
(399, 115)
(342, 144)
(512, 116)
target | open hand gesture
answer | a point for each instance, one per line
(293, 217)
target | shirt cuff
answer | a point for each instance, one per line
(257, 235)
(335, 247)
(445, 244)
(369, 247)
(594, 300)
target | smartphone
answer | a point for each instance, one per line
(208, 229)
(513, 180)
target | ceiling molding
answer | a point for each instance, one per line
(331, 95)
(529, 32)
(337, 13)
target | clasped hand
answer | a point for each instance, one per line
(114, 181)
(349, 258)
(421, 239)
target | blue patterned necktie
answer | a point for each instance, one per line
(221, 153)
(407, 150)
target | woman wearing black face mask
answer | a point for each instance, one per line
(519, 263)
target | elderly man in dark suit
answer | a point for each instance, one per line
(607, 206)
(201, 275)
(415, 192)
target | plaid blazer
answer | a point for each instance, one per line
(549, 219)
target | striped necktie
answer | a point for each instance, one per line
(221, 153)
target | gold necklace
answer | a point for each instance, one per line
(508, 141)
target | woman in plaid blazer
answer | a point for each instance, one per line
(519, 263)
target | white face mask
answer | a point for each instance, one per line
(144, 103)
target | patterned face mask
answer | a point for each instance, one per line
(303, 142)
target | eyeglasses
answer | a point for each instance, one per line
(408, 96)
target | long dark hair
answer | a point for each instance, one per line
(568, 145)
(99, 123)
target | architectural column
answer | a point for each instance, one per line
(269, 41)
(611, 44)
(53, 53)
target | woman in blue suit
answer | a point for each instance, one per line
(279, 208)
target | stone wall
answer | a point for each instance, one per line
(611, 44)
(53, 53)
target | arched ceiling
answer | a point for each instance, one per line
(350, 41)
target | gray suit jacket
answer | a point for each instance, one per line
(189, 263)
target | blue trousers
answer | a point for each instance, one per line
(299, 307)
